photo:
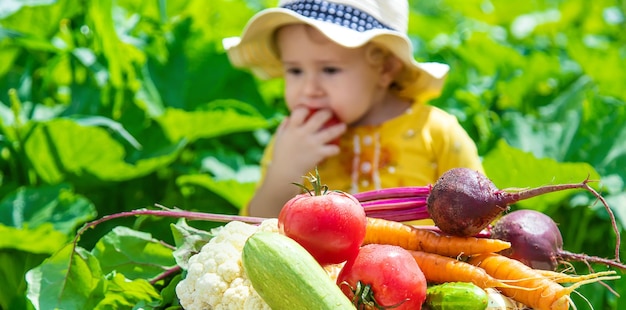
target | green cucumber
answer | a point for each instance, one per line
(287, 277)
(456, 295)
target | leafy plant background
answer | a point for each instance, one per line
(114, 105)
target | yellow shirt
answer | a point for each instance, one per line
(413, 149)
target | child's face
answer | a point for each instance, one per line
(320, 74)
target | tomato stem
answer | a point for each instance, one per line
(364, 297)
(318, 188)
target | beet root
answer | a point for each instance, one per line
(537, 242)
(462, 202)
(535, 238)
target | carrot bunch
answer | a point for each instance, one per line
(445, 258)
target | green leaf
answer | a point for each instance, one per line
(212, 22)
(19, 15)
(221, 171)
(107, 123)
(235, 192)
(179, 124)
(62, 149)
(488, 56)
(122, 293)
(13, 266)
(67, 280)
(168, 293)
(601, 63)
(553, 133)
(189, 241)
(56, 205)
(121, 56)
(615, 151)
(135, 254)
(508, 167)
(513, 90)
(9, 7)
(43, 239)
(8, 54)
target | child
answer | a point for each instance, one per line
(350, 76)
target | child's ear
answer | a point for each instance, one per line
(389, 71)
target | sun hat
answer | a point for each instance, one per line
(349, 23)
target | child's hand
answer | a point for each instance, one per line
(334, 120)
(306, 138)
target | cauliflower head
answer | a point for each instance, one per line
(215, 278)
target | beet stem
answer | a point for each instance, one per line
(393, 192)
(175, 213)
(165, 274)
(411, 214)
(611, 216)
(509, 197)
(394, 203)
(580, 257)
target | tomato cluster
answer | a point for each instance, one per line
(331, 226)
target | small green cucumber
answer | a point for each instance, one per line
(456, 295)
(287, 277)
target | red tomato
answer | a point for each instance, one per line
(334, 120)
(330, 226)
(392, 274)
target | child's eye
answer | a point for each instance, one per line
(293, 71)
(331, 70)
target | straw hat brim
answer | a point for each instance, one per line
(256, 50)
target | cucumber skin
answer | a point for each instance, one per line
(287, 277)
(456, 295)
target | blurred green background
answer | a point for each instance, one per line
(109, 106)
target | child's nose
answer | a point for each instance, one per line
(312, 87)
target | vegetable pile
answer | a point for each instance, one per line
(326, 251)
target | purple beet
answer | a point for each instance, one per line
(537, 242)
(463, 201)
(535, 238)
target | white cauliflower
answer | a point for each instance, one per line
(215, 277)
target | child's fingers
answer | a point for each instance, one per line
(332, 133)
(299, 115)
(329, 150)
(317, 120)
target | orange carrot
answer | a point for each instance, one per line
(439, 269)
(413, 238)
(541, 293)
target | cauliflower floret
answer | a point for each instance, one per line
(215, 277)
